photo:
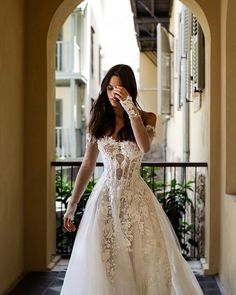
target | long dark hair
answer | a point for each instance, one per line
(102, 121)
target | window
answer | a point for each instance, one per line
(59, 113)
(191, 55)
(92, 51)
(100, 65)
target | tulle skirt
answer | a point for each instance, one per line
(125, 245)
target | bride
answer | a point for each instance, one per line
(125, 244)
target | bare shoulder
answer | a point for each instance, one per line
(149, 118)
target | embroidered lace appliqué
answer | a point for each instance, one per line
(128, 213)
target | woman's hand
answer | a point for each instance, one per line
(69, 225)
(121, 93)
(126, 101)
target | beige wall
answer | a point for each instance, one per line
(147, 92)
(11, 142)
(199, 131)
(228, 157)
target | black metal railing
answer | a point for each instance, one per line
(179, 187)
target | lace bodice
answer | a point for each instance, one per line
(121, 159)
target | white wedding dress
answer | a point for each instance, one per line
(125, 244)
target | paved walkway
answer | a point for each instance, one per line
(49, 283)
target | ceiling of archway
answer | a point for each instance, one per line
(147, 13)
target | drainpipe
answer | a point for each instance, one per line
(186, 128)
(72, 139)
(165, 144)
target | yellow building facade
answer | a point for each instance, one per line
(27, 131)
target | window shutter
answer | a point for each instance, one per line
(187, 51)
(185, 32)
(163, 72)
(198, 56)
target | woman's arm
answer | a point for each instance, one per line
(82, 178)
(143, 136)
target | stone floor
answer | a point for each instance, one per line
(49, 283)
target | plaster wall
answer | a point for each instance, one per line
(199, 119)
(227, 269)
(199, 130)
(147, 92)
(11, 142)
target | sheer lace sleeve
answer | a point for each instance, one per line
(130, 107)
(83, 176)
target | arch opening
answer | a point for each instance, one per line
(58, 19)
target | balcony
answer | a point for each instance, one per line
(179, 187)
(67, 57)
(153, 173)
(68, 63)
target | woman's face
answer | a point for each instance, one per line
(115, 81)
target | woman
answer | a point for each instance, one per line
(125, 244)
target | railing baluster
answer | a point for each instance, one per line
(153, 177)
(194, 210)
(164, 185)
(185, 177)
(170, 172)
(61, 211)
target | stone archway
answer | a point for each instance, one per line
(207, 18)
(228, 142)
(39, 134)
(203, 12)
(58, 19)
(230, 98)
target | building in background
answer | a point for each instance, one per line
(71, 84)
(146, 16)
(96, 36)
(172, 78)
(186, 106)
(78, 77)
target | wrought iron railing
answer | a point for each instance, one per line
(179, 187)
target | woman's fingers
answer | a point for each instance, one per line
(120, 92)
(69, 225)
